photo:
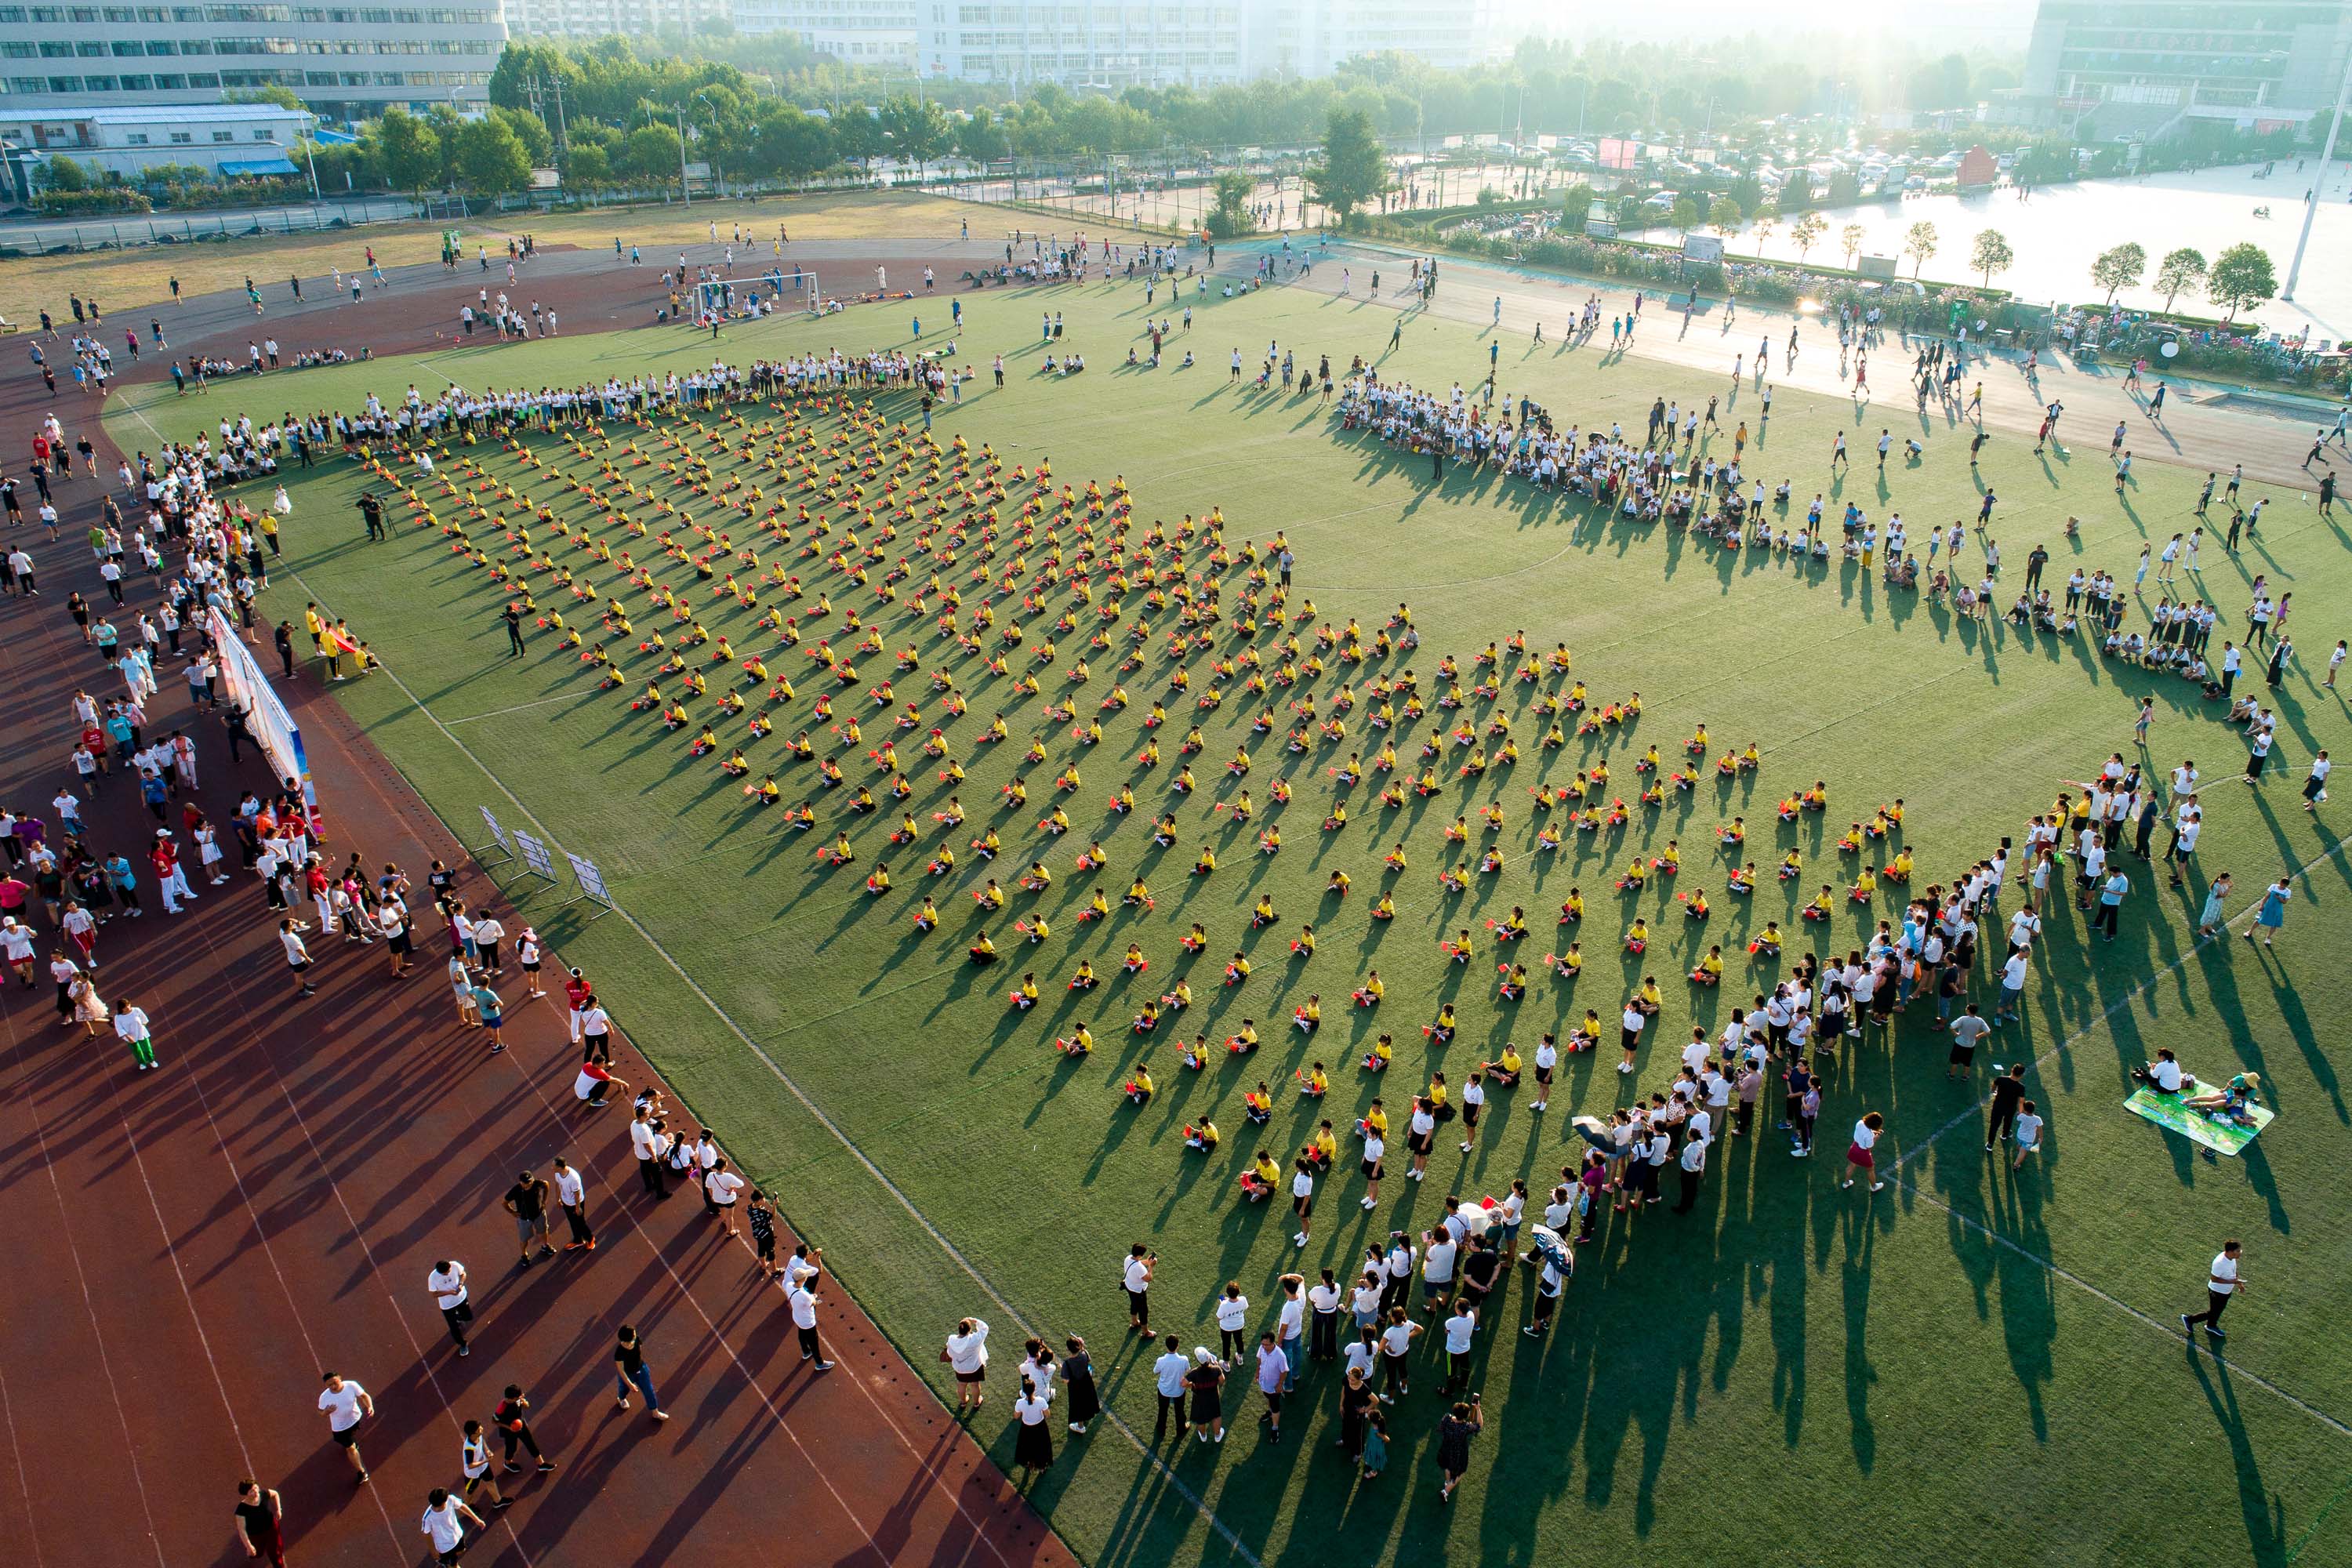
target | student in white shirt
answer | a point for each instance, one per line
(2222, 1282)
(1861, 1155)
(1231, 1313)
(345, 1403)
(967, 1357)
(1167, 1379)
(2029, 1133)
(474, 1460)
(445, 1518)
(130, 1025)
(720, 1188)
(805, 1305)
(447, 1284)
(1461, 1327)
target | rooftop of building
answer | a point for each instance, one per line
(158, 114)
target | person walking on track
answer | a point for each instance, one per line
(447, 1285)
(512, 1418)
(571, 1196)
(629, 1358)
(346, 1404)
(527, 1201)
(261, 1522)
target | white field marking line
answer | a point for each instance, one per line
(105, 1362)
(324, 1172)
(555, 1119)
(517, 707)
(1969, 1117)
(220, 1142)
(1168, 1476)
(24, 1484)
(2322, 1416)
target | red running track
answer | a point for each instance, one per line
(189, 1248)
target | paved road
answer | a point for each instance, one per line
(2196, 432)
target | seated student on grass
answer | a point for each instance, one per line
(2232, 1099)
(2164, 1074)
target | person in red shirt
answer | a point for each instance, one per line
(170, 880)
(576, 992)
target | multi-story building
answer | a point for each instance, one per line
(599, 18)
(345, 62)
(1109, 45)
(1314, 37)
(2249, 62)
(861, 32)
(1102, 44)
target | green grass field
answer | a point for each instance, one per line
(1793, 1373)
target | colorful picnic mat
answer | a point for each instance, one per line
(2167, 1111)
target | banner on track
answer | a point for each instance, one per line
(266, 718)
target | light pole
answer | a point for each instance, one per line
(310, 153)
(2319, 179)
(685, 185)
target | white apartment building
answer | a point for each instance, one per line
(346, 62)
(1107, 45)
(861, 32)
(598, 19)
(1158, 43)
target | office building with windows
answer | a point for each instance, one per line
(860, 32)
(598, 19)
(1104, 44)
(345, 62)
(2255, 63)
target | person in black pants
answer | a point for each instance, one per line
(514, 1429)
(2007, 1094)
(1171, 1403)
(284, 640)
(513, 618)
(371, 512)
(2222, 1282)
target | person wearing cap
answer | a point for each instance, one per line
(170, 880)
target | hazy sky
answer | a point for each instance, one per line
(1929, 24)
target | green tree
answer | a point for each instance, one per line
(981, 139)
(276, 92)
(1851, 237)
(1353, 171)
(1990, 253)
(1768, 219)
(537, 142)
(2181, 273)
(1723, 216)
(1806, 233)
(1232, 216)
(2240, 279)
(589, 166)
(788, 143)
(2118, 267)
(651, 153)
(1940, 84)
(1686, 215)
(1919, 244)
(489, 158)
(919, 129)
(410, 150)
(1576, 205)
(64, 175)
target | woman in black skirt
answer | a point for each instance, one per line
(1082, 1402)
(1033, 1449)
(1206, 1380)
